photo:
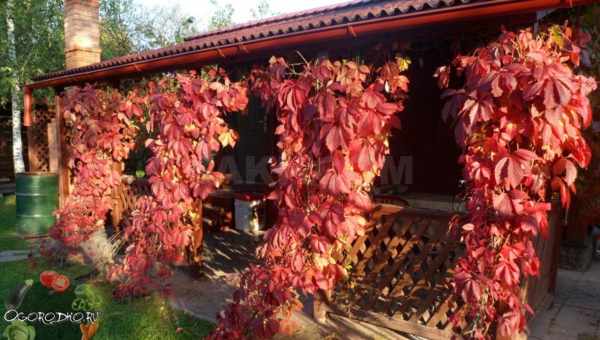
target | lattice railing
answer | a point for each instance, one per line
(400, 272)
(217, 209)
(124, 201)
(37, 140)
(125, 197)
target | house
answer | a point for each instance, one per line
(422, 170)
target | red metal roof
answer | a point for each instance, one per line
(327, 15)
(349, 19)
(303, 21)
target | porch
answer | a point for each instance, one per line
(400, 270)
(574, 313)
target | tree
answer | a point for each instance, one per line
(222, 17)
(262, 10)
(161, 26)
(32, 44)
(17, 143)
(115, 36)
(128, 28)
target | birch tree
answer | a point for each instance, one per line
(15, 93)
(31, 43)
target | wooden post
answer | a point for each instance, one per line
(32, 151)
(28, 117)
(197, 235)
(118, 204)
(53, 146)
(320, 306)
(27, 105)
(56, 146)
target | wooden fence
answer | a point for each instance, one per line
(35, 145)
(124, 200)
(401, 270)
(217, 211)
(38, 151)
(400, 273)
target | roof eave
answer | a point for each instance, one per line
(471, 11)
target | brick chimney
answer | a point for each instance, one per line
(82, 32)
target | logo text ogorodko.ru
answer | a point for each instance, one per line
(51, 318)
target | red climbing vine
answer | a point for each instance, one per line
(518, 117)
(186, 111)
(100, 132)
(334, 122)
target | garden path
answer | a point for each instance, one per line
(13, 255)
(575, 314)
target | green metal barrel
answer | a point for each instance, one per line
(37, 198)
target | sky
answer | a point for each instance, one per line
(200, 8)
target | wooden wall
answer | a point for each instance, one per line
(425, 138)
(6, 160)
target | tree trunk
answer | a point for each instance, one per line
(16, 92)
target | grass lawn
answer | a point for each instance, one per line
(146, 318)
(140, 319)
(9, 240)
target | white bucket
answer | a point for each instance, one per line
(245, 217)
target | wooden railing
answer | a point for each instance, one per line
(216, 212)
(401, 271)
(38, 151)
(217, 209)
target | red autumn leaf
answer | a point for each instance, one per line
(511, 169)
(362, 155)
(335, 183)
(477, 110)
(480, 172)
(387, 109)
(507, 272)
(361, 200)
(510, 203)
(471, 289)
(553, 84)
(565, 194)
(335, 137)
(319, 244)
(504, 82)
(565, 168)
(468, 227)
(509, 323)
